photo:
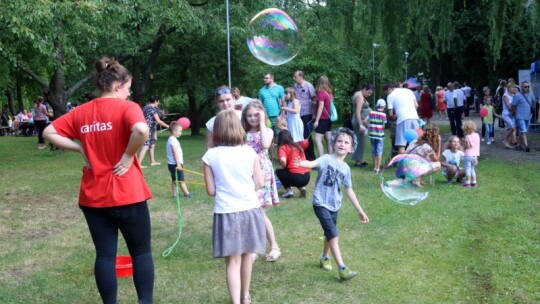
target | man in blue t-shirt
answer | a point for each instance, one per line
(271, 95)
(521, 108)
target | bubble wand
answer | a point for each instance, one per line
(181, 222)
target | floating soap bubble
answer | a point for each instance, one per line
(401, 179)
(273, 37)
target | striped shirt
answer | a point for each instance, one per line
(376, 124)
(270, 96)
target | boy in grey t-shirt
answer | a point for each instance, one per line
(334, 172)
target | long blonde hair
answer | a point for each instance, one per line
(324, 85)
(253, 104)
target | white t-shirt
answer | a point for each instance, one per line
(171, 143)
(402, 101)
(243, 100)
(452, 158)
(210, 122)
(233, 176)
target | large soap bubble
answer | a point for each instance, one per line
(273, 37)
(401, 179)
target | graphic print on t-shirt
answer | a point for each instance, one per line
(332, 177)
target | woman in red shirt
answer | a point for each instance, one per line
(113, 192)
(287, 173)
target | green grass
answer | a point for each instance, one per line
(459, 246)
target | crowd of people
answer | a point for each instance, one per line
(252, 145)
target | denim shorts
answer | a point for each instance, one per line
(328, 220)
(377, 146)
(523, 125)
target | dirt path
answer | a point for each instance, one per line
(497, 149)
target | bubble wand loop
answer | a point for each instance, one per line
(168, 251)
(181, 222)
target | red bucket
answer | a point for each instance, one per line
(124, 268)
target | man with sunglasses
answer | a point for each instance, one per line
(305, 92)
(271, 95)
(521, 108)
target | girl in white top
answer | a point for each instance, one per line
(452, 157)
(294, 122)
(510, 139)
(232, 174)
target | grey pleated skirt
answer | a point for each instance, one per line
(239, 232)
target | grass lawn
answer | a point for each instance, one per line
(479, 245)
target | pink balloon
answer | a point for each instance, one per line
(419, 131)
(184, 122)
(483, 112)
(29, 115)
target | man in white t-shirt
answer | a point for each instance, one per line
(466, 89)
(240, 102)
(402, 106)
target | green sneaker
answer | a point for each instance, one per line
(346, 274)
(326, 264)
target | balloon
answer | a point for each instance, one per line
(29, 115)
(419, 131)
(410, 135)
(31, 120)
(273, 37)
(184, 122)
(400, 176)
(483, 112)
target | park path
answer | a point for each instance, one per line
(497, 148)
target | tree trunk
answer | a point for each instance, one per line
(193, 113)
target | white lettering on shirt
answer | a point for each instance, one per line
(96, 126)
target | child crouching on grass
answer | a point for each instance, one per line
(175, 159)
(471, 143)
(334, 172)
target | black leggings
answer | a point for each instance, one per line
(40, 125)
(133, 221)
(289, 179)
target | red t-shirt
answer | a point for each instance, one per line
(290, 153)
(103, 126)
(326, 98)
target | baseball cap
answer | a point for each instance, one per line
(381, 103)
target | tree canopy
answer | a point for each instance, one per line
(177, 48)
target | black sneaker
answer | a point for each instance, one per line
(519, 148)
(528, 149)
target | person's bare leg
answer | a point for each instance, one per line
(142, 153)
(173, 188)
(152, 154)
(328, 136)
(245, 273)
(184, 188)
(523, 139)
(318, 142)
(232, 270)
(271, 237)
(334, 248)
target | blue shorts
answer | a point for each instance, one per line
(174, 171)
(328, 220)
(377, 146)
(401, 128)
(523, 125)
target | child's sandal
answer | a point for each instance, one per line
(273, 255)
(246, 300)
